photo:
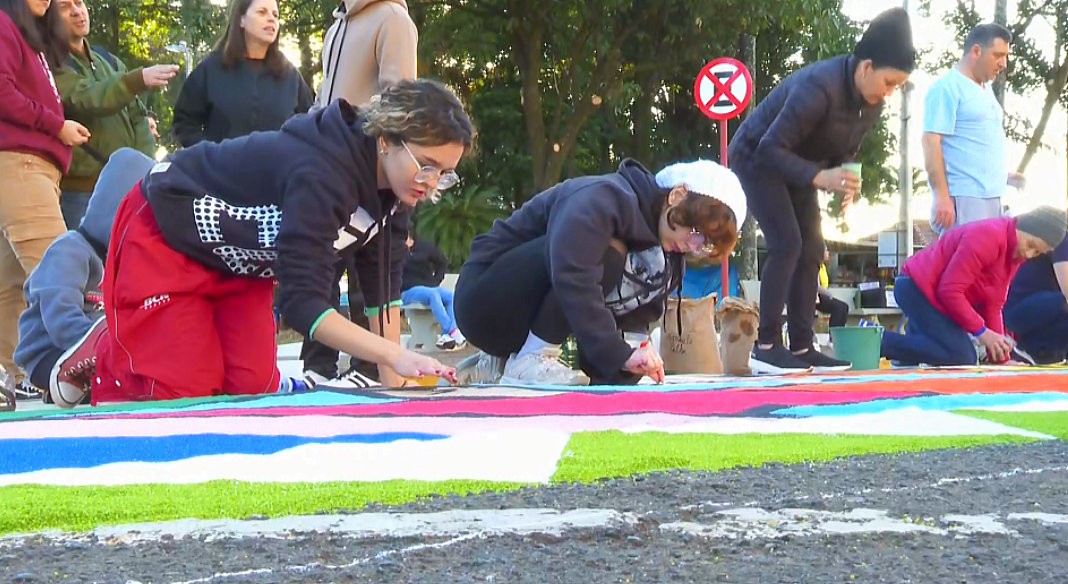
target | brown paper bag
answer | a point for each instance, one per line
(738, 319)
(696, 350)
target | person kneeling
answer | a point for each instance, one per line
(64, 315)
(953, 292)
(594, 257)
(188, 286)
(1036, 312)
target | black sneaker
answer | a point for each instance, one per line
(25, 390)
(776, 361)
(822, 363)
(1053, 357)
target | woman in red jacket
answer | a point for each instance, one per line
(35, 148)
(954, 291)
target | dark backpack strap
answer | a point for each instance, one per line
(95, 154)
(108, 57)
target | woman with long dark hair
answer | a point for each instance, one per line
(244, 85)
(35, 150)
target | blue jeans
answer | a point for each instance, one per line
(931, 337)
(438, 299)
(73, 205)
(1040, 322)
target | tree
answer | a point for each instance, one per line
(598, 81)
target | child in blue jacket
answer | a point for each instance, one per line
(63, 292)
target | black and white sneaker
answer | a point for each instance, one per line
(25, 390)
(351, 379)
(822, 363)
(776, 361)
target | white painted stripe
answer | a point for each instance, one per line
(1031, 406)
(739, 523)
(754, 523)
(521, 456)
(441, 524)
(903, 422)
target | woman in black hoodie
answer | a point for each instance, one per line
(594, 256)
(795, 143)
(198, 244)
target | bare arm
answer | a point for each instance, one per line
(935, 165)
(945, 212)
(394, 362)
(391, 333)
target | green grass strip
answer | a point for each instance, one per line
(1051, 423)
(33, 508)
(599, 455)
(120, 408)
(588, 457)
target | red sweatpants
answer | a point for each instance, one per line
(175, 327)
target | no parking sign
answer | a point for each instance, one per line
(723, 89)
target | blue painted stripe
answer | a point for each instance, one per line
(943, 403)
(28, 455)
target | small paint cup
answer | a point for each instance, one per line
(854, 167)
(428, 380)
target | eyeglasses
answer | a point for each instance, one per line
(425, 174)
(700, 246)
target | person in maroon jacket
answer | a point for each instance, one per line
(954, 291)
(35, 150)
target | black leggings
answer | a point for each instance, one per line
(499, 304)
(789, 217)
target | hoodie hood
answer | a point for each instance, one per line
(650, 197)
(350, 8)
(123, 171)
(336, 132)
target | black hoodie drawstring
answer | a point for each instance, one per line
(384, 257)
(677, 266)
(331, 58)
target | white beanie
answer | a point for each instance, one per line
(708, 178)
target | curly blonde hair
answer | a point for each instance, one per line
(419, 111)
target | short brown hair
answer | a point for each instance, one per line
(420, 111)
(711, 217)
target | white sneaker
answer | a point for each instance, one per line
(458, 338)
(351, 379)
(445, 343)
(541, 368)
(479, 368)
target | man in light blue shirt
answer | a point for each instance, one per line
(963, 135)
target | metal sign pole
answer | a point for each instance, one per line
(725, 271)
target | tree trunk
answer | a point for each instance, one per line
(1000, 17)
(528, 57)
(307, 60)
(747, 269)
(1054, 90)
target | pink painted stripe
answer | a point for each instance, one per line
(691, 403)
(329, 426)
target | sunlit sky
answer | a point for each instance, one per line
(1046, 173)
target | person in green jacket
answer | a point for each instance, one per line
(98, 91)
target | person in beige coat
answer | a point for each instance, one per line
(370, 46)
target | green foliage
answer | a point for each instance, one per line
(455, 220)
(557, 88)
